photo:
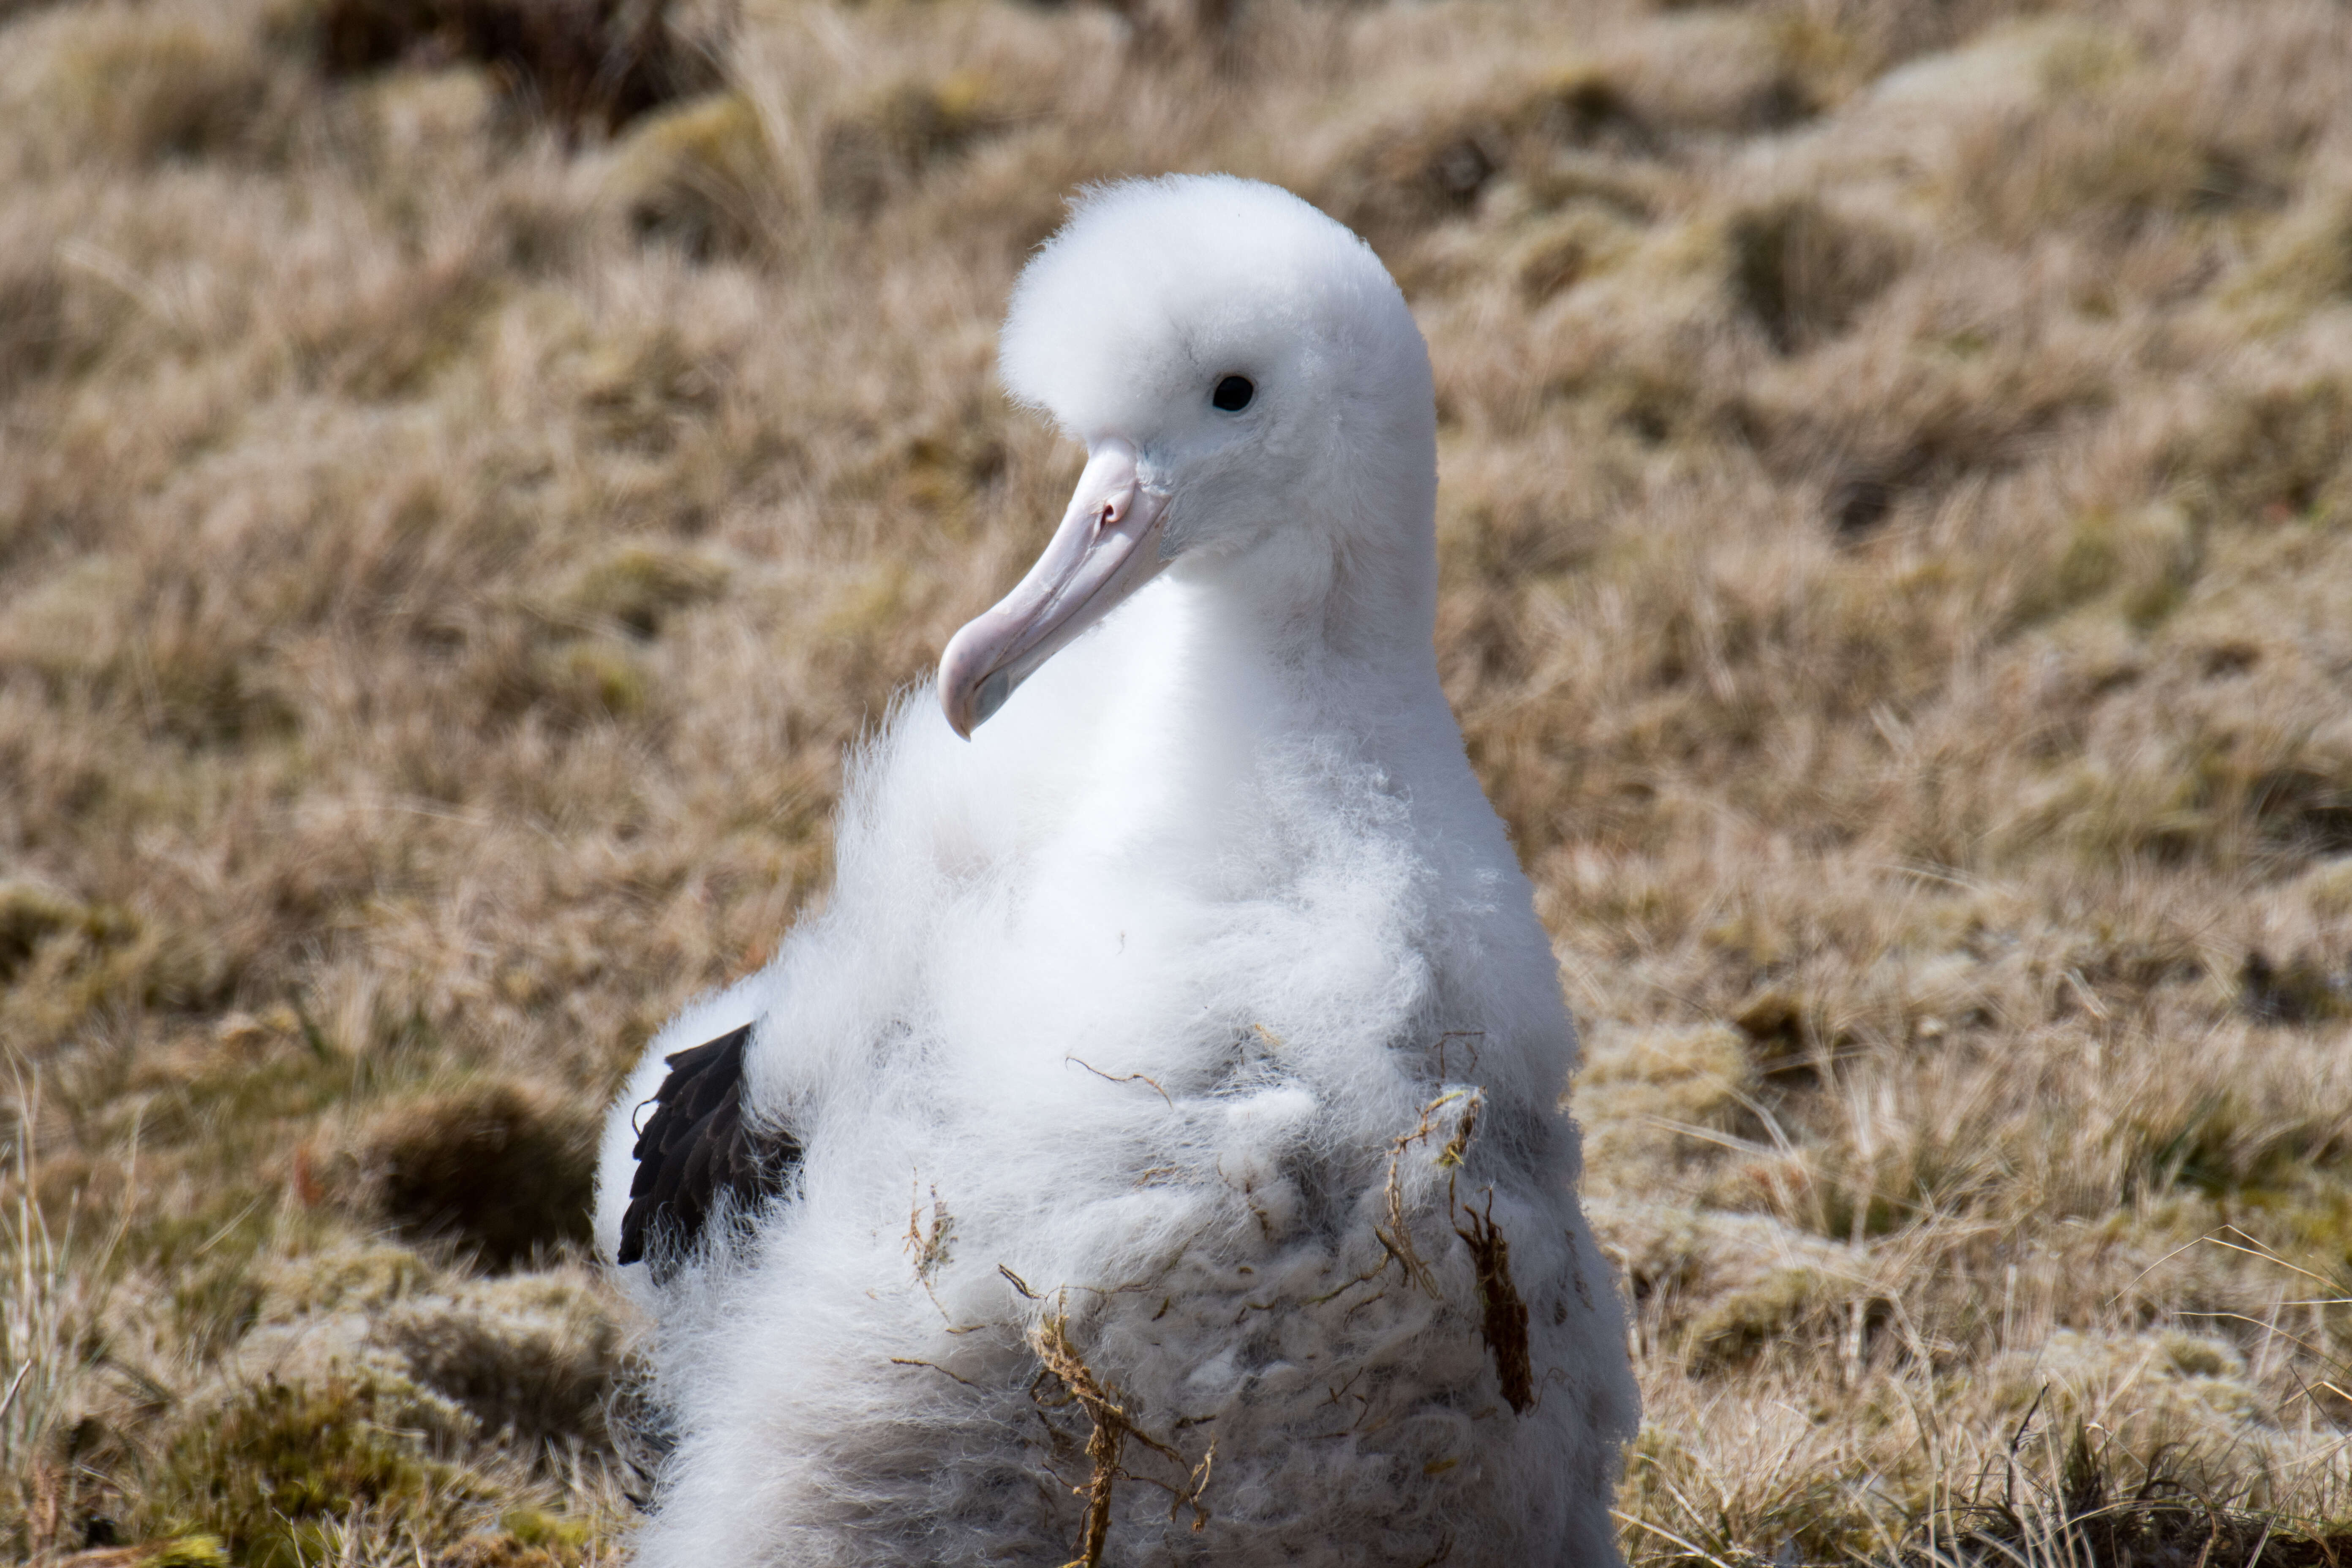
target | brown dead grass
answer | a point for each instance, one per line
(1109, 1430)
(1897, 537)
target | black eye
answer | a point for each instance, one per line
(1232, 393)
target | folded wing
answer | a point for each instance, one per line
(697, 1156)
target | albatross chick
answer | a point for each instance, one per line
(1153, 1153)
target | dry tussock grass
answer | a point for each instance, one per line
(1897, 535)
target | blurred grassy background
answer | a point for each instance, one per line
(466, 468)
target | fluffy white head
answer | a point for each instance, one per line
(1256, 400)
(1157, 289)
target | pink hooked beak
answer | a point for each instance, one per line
(1106, 548)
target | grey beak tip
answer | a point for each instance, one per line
(990, 697)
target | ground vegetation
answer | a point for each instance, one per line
(463, 484)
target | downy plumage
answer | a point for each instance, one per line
(1176, 1064)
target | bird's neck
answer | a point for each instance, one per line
(1325, 609)
(1239, 684)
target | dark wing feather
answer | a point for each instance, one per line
(695, 1149)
